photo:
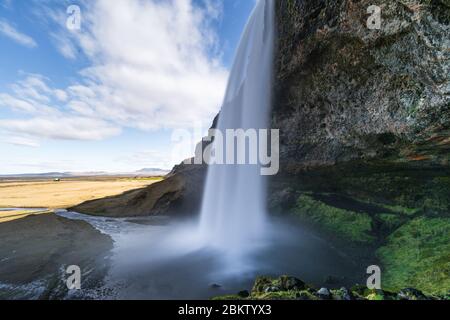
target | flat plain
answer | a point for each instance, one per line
(32, 194)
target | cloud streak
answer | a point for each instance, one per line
(21, 141)
(12, 33)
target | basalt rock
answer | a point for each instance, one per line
(364, 119)
(344, 92)
(267, 288)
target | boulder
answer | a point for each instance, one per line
(324, 293)
(411, 294)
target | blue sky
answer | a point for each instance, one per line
(110, 96)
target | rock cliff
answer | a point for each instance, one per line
(346, 92)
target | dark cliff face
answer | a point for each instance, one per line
(345, 92)
(364, 119)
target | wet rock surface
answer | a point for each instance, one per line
(346, 92)
(35, 252)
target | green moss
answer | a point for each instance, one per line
(375, 297)
(405, 191)
(262, 283)
(437, 199)
(278, 295)
(390, 221)
(228, 297)
(346, 224)
(282, 288)
(418, 255)
(403, 210)
(407, 212)
(305, 295)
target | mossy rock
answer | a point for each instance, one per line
(288, 283)
(283, 283)
(342, 294)
(277, 295)
(228, 297)
(262, 285)
(265, 288)
(363, 293)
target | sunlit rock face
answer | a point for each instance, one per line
(345, 92)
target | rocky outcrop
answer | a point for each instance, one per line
(290, 288)
(36, 251)
(178, 194)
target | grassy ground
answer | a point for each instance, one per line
(63, 194)
(418, 254)
(413, 248)
(398, 214)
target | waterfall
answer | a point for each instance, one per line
(234, 202)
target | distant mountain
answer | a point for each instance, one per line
(37, 175)
(152, 172)
(146, 172)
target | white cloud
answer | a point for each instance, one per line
(33, 95)
(9, 31)
(63, 128)
(21, 141)
(153, 65)
(64, 45)
(150, 63)
(12, 102)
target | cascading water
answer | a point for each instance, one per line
(233, 212)
(166, 259)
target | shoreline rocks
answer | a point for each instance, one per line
(267, 288)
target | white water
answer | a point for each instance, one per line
(233, 212)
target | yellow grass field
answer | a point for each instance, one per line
(59, 195)
(6, 216)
